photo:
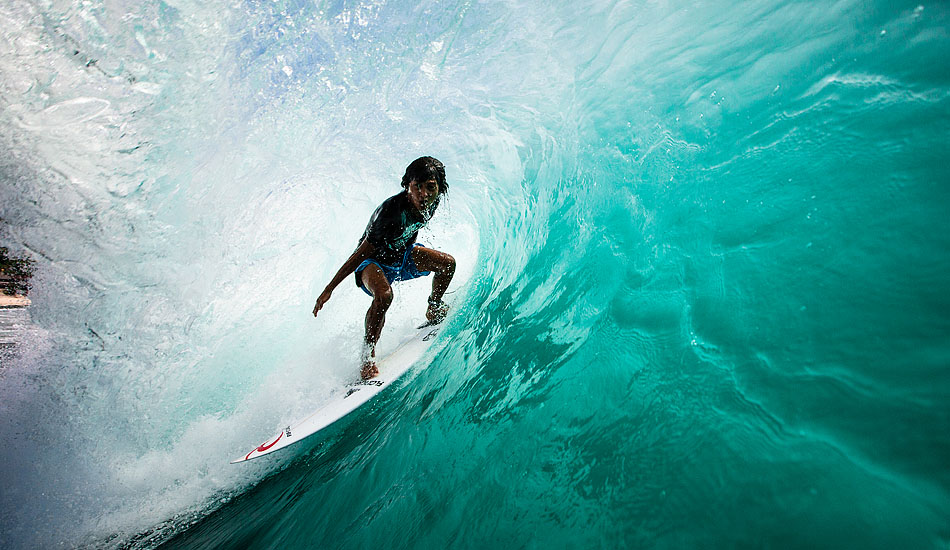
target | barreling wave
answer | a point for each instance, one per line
(702, 254)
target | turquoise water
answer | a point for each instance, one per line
(702, 292)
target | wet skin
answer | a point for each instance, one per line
(421, 196)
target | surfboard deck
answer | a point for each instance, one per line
(352, 395)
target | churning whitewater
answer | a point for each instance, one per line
(702, 287)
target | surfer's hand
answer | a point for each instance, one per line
(320, 301)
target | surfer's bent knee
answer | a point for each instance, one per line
(383, 298)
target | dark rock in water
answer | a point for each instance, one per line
(15, 273)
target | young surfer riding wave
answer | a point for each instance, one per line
(388, 252)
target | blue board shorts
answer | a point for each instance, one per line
(403, 272)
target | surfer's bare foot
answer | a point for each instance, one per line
(369, 370)
(368, 358)
(437, 311)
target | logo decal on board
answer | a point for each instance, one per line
(264, 446)
(429, 336)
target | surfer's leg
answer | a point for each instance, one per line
(427, 259)
(374, 280)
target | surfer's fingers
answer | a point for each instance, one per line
(321, 301)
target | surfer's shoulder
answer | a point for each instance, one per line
(399, 201)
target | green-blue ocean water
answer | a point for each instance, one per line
(704, 259)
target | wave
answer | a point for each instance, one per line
(700, 268)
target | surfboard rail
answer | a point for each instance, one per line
(351, 396)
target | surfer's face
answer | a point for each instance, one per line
(421, 194)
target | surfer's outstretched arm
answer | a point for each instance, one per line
(363, 251)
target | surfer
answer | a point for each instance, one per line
(388, 252)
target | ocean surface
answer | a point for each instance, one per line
(703, 297)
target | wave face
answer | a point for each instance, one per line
(702, 291)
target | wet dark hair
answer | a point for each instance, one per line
(423, 169)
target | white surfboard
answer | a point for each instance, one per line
(352, 396)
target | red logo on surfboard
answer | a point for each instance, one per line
(264, 446)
